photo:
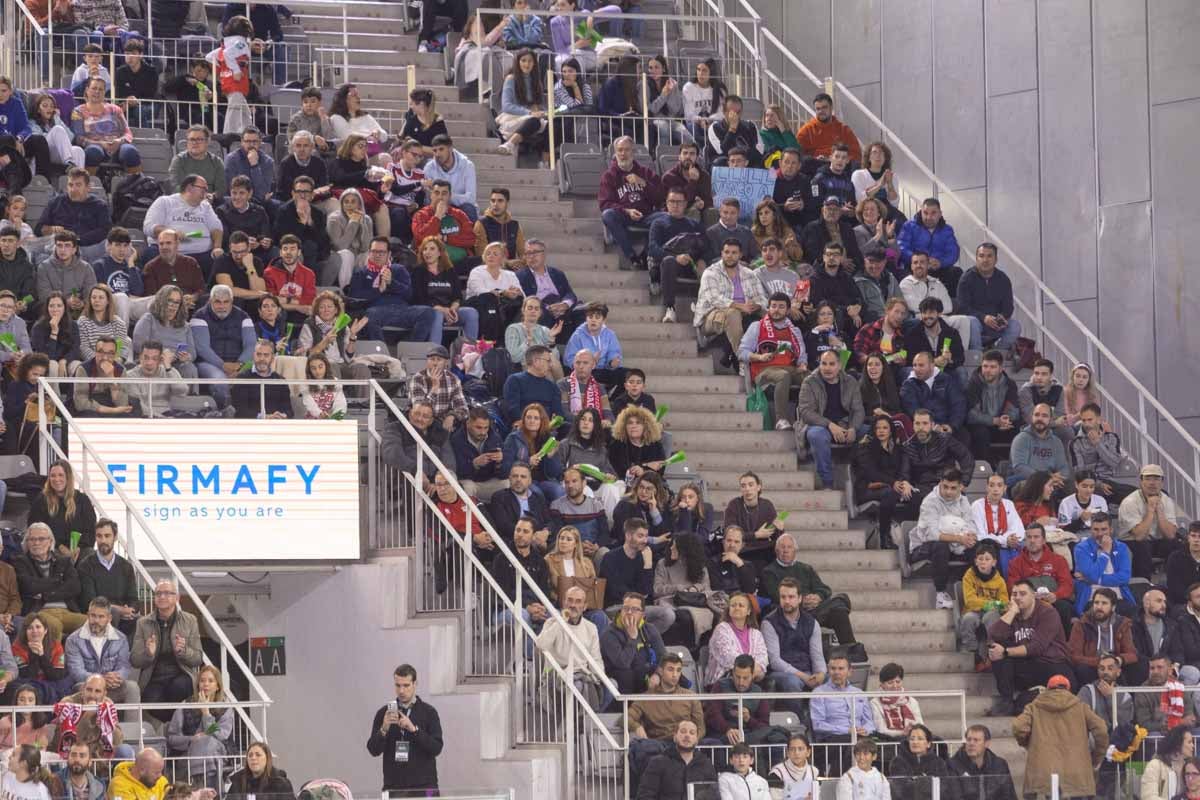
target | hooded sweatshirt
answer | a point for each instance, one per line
(617, 193)
(930, 525)
(345, 234)
(461, 176)
(18, 275)
(75, 277)
(1090, 638)
(1032, 453)
(125, 784)
(986, 401)
(14, 119)
(1041, 634)
(980, 589)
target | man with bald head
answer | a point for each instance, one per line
(555, 642)
(831, 610)
(87, 729)
(140, 779)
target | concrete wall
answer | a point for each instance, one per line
(345, 633)
(1066, 124)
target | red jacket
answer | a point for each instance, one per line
(1051, 565)
(818, 138)
(424, 224)
(277, 277)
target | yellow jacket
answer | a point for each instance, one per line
(127, 787)
(977, 593)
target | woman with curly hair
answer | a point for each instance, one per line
(637, 443)
(681, 582)
(524, 444)
(347, 116)
(770, 224)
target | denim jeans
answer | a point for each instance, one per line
(127, 156)
(1001, 340)
(617, 222)
(820, 444)
(426, 324)
(218, 391)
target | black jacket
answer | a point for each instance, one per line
(287, 222)
(61, 586)
(1186, 647)
(506, 575)
(1170, 643)
(19, 276)
(723, 576)
(667, 777)
(504, 511)
(61, 525)
(1182, 572)
(910, 776)
(915, 341)
(287, 170)
(992, 781)
(926, 460)
(873, 464)
(816, 236)
(248, 401)
(745, 135)
(424, 747)
(243, 785)
(119, 584)
(630, 508)
(839, 290)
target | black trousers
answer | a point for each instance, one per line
(984, 436)
(172, 689)
(891, 507)
(456, 10)
(938, 554)
(1018, 674)
(669, 270)
(1142, 554)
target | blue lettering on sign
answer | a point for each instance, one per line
(163, 479)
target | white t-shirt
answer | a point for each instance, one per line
(13, 789)
(480, 281)
(1069, 509)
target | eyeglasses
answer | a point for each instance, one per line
(302, 191)
(158, 593)
(196, 139)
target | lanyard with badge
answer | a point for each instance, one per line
(401, 753)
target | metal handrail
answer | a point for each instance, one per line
(423, 452)
(513, 605)
(30, 18)
(45, 389)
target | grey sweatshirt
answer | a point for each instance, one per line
(1031, 453)
(933, 509)
(1103, 458)
(991, 403)
(75, 277)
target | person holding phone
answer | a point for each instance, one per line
(407, 732)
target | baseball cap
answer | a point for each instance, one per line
(1058, 682)
(1151, 470)
(833, 200)
(439, 351)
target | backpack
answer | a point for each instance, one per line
(497, 366)
(132, 199)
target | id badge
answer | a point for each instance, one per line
(402, 752)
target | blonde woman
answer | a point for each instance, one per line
(527, 332)
(199, 731)
(569, 561)
(494, 292)
(64, 509)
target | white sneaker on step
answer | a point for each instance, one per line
(944, 600)
(669, 315)
(422, 48)
(783, 425)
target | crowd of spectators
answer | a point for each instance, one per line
(825, 291)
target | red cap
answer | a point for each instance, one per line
(1058, 682)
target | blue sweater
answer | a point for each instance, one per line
(397, 293)
(89, 219)
(604, 345)
(521, 389)
(465, 453)
(1091, 562)
(221, 341)
(119, 277)
(14, 120)
(516, 449)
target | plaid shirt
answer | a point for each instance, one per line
(446, 397)
(716, 290)
(870, 340)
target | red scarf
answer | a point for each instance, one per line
(767, 332)
(896, 713)
(998, 525)
(589, 398)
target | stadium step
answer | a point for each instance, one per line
(728, 480)
(637, 350)
(920, 621)
(690, 367)
(911, 642)
(875, 560)
(933, 663)
(396, 76)
(808, 540)
(316, 25)
(635, 312)
(747, 445)
(679, 420)
(865, 601)
(849, 581)
(787, 499)
(580, 231)
(644, 331)
(768, 462)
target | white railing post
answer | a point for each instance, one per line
(570, 732)
(759, 86)
(346, 44)
(1144, 443)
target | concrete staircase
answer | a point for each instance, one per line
(895, 621)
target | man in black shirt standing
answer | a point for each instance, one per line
(407, 732)
(136, 83)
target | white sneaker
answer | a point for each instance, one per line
(944, 600)
(423, 48)
(669, 315)
(783, 425)
(505, 149)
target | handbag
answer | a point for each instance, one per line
(689, 600)
(593, 587)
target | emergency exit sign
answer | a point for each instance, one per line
(268, 657)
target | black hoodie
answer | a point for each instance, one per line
(992, 781)
(18, 275)
(910, 775)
